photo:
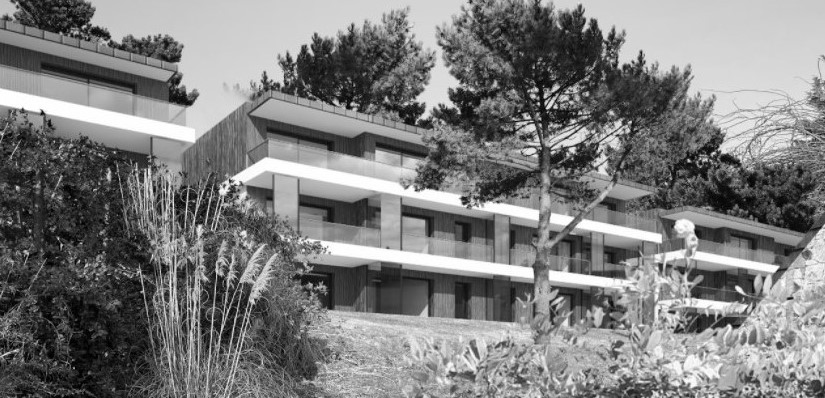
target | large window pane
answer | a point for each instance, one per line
(387, 157)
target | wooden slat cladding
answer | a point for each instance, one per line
(33, 61)
(443, 224)
(222, 150)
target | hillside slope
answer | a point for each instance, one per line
(366, 352)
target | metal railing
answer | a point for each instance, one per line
(284, 150)
(446, 247)
(341, 233)
(724, 249)
(90, 94)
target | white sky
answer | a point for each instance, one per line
(731, 44)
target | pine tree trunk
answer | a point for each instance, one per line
(541, 266)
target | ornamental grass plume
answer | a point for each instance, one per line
(201, 296)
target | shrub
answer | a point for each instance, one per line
(226, 313)
(779, 351)
(70, 298)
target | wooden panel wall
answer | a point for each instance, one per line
(443, 224)
(31, 60)
(342, 212)
(223, 149)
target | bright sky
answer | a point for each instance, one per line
(731, 45)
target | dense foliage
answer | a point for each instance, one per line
(69, 17)
(69, 280)
(73, 18)
(375, 68)
(689, 168)
(75, 267)
(777, 352)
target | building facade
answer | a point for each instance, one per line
(114, 97)
(335, 175)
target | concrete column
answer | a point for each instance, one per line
(285, 198)
(391, 222)
(501, 239)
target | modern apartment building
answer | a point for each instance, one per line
(334, 174)
(116, 98)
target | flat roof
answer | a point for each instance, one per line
(291, 109)
(96, 53)
(364, 119)
(715, 219)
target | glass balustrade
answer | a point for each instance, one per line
(526, 258)
(726, 250)
(447, 248)
(90, 94)
(598, 214)
(341, 233)
(292, 152)
(724, 294)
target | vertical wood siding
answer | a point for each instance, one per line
(223, 149)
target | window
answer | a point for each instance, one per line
(461, 231)
(396, 157)
(302, 141)
(512, 239)
(314, 213)
(606, 206)
(86, 79)
(415, 225)
(462, 300)
(609, 257)
(415, 231)
(742, 242)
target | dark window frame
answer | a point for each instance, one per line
(467, 231)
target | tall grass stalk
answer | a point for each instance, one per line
(199, 310)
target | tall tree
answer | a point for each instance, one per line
(73, 18)
(69, 17)
(166, 48)
(679, 162)
(777, 194)
(541, 97)
(377, 68)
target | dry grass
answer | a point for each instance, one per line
(366, 352)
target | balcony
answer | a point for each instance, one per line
(709, 293)
(447, 248)
(321, 158)
(525, 258)
(723, 249)
(598, 214)
(341, 233)
(283, 150)
(91, 95)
